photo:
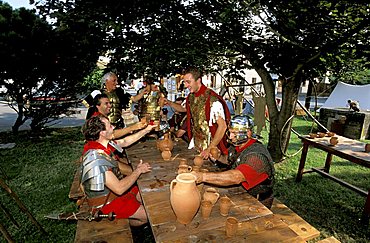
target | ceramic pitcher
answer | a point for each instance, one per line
(185, 197)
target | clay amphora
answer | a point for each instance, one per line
(166, 143)
(166, 155)
(211, 195)
(185, 197)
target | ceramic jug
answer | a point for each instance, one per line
(185, 197)
(166, 143)
(211, 195)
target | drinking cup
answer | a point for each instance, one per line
(183, 162)
(225, 205)
(206, 208)
(231, 226)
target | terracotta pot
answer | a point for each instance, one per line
(166, 143)
(333, 141)
(312, 135)
(211, 195)
(321, 134)
(215, 152)
(166, 155)
(330, 134)
(367, 148)
(183, 162)
(198, 160)
(185, 197)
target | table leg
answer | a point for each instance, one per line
(329, 158)
(302, 162)
(366, 212)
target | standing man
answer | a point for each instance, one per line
(105, 187)
(118, 98)
(207, 115)
(250, 164)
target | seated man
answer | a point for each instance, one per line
(102, 105)
(249, 161)
(105, 187)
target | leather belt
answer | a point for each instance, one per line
(98, 202)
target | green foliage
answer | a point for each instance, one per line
(93, 80)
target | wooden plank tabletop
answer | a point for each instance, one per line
(346, 148)
(256, 222)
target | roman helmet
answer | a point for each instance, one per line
(241, 124)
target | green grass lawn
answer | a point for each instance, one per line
(41, 170)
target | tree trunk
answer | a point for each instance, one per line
(19, 121)
(280, 125)
(307, 101)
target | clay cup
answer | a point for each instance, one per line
(206, 208)
(225, 205)
(333, 141)
(231, 226)
(367, 148)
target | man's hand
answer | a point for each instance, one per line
(151, 127)
(139, 125)
(205, 153)
(199, 176)
(143, 167)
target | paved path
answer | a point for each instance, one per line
(8, 117)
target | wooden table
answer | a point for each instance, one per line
(257, 223)
(349, 149)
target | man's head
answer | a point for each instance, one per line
(97, 128)
(193, 79)
(152, 83)
(110, 81)
(240, 129)
(102, 104)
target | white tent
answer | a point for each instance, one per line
(344, 92)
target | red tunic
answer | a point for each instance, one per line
(124, 205)
(223, 143)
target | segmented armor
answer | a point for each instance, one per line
(257, 157)
(115, 114)
(94, 165)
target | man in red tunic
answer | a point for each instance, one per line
(105, 187)
(249, 162)
(207, 115)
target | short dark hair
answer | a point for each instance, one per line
(92, 128)
(180, 99)
(196, 72)
(98, 97)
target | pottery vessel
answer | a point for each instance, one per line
(198, 160)
(312, 135)
(333, 141)
(166, 155)
(183, 162)
(166, 143)
(321, 134)
(215, 152)
(211, 195)
(185, 197)
(184, 169)
(367, 148)
(330, 134)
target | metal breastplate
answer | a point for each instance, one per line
(200, 127)
(150, 107)
(115, 111)
(94, 165)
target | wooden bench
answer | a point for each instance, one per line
(331, 239)
(295, 222)
(117, 230)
